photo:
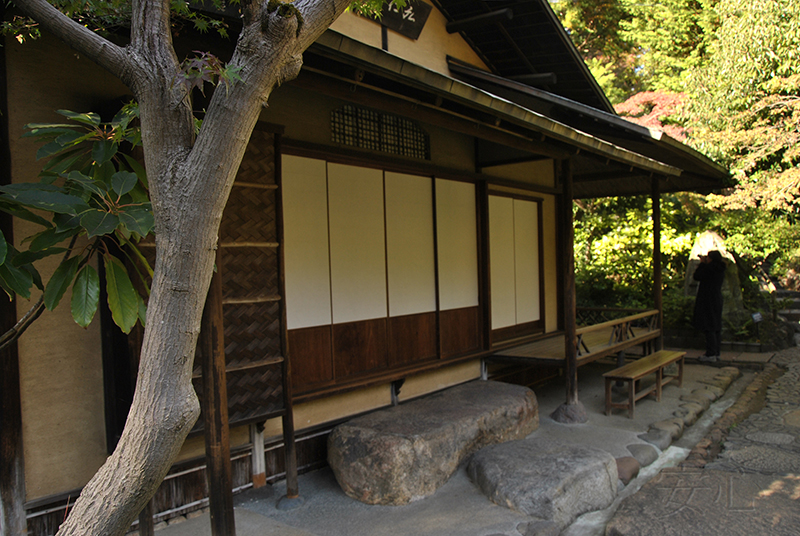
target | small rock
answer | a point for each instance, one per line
(627, 468)
(661, 439)
(176, 520)
(686, 414)
(644, 454)
(703, 401)
(731, 372)
(541, 527)
(705, 393)
(193, 514)
(673, 426)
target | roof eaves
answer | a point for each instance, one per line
(394, 67)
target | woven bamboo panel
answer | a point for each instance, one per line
(252, 333)
(253, 394)
(249, 216)
(258, 164)
(249, 273)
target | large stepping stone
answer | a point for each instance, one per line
(400, 454)
(545, 478)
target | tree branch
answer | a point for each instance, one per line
(101, 51)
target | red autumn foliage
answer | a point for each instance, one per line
(655, 109)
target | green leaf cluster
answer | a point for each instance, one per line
(88, 188)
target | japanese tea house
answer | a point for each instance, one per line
(403, 213)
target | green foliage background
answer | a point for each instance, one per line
(730, 72)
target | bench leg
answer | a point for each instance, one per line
(608, 396)
(680, 372)
(659, 377)
(631, 397)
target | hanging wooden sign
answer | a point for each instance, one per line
(407, 20)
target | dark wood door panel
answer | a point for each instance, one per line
(412, 338)
(359, 347)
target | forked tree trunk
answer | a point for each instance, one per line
(190, 181)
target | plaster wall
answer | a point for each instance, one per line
(61, 377)
(306, 117)
(429, 50)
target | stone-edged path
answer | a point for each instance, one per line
(743, 478)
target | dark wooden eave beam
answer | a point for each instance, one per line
(479, 20)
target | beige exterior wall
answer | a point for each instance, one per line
(61, 375)
(332, 408)
(430, 50)
(538, 173)
(306, 117)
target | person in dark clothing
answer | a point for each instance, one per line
(708, 304)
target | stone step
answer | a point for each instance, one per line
(793, 315)
(404, 453)
(548, 479)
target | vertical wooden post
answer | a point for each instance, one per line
(658, 302)
(146, 520)
(292, 499)
(572, 411)
(12, 469)
(215, 411)
(570, 337)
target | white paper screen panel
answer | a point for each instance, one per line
(457, 244)
(526, 259)
(501, 258)
(306, 259)
(409, 244)
(358, 254)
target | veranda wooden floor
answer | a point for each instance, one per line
(593, 345)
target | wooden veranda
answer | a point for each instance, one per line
(592, 341)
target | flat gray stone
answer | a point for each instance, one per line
(771, 438)
(538, 528)
(764, 459)
(545, 478)
(710, 503)
(396, 455)
(644, 454)
(661, 439)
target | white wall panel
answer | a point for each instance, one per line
(409, 244)
(457, 244)
(526, 259)
(306, 259)
(502, 265)
(358, 255)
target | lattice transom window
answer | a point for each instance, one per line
(376, 131)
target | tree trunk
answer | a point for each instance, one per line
(190, 181)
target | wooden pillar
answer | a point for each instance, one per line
(12, 469)
(568, 264)
(215, 411)
(658, 302)
(292, 499)
(572, 411)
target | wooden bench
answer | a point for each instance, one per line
(636, 370)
